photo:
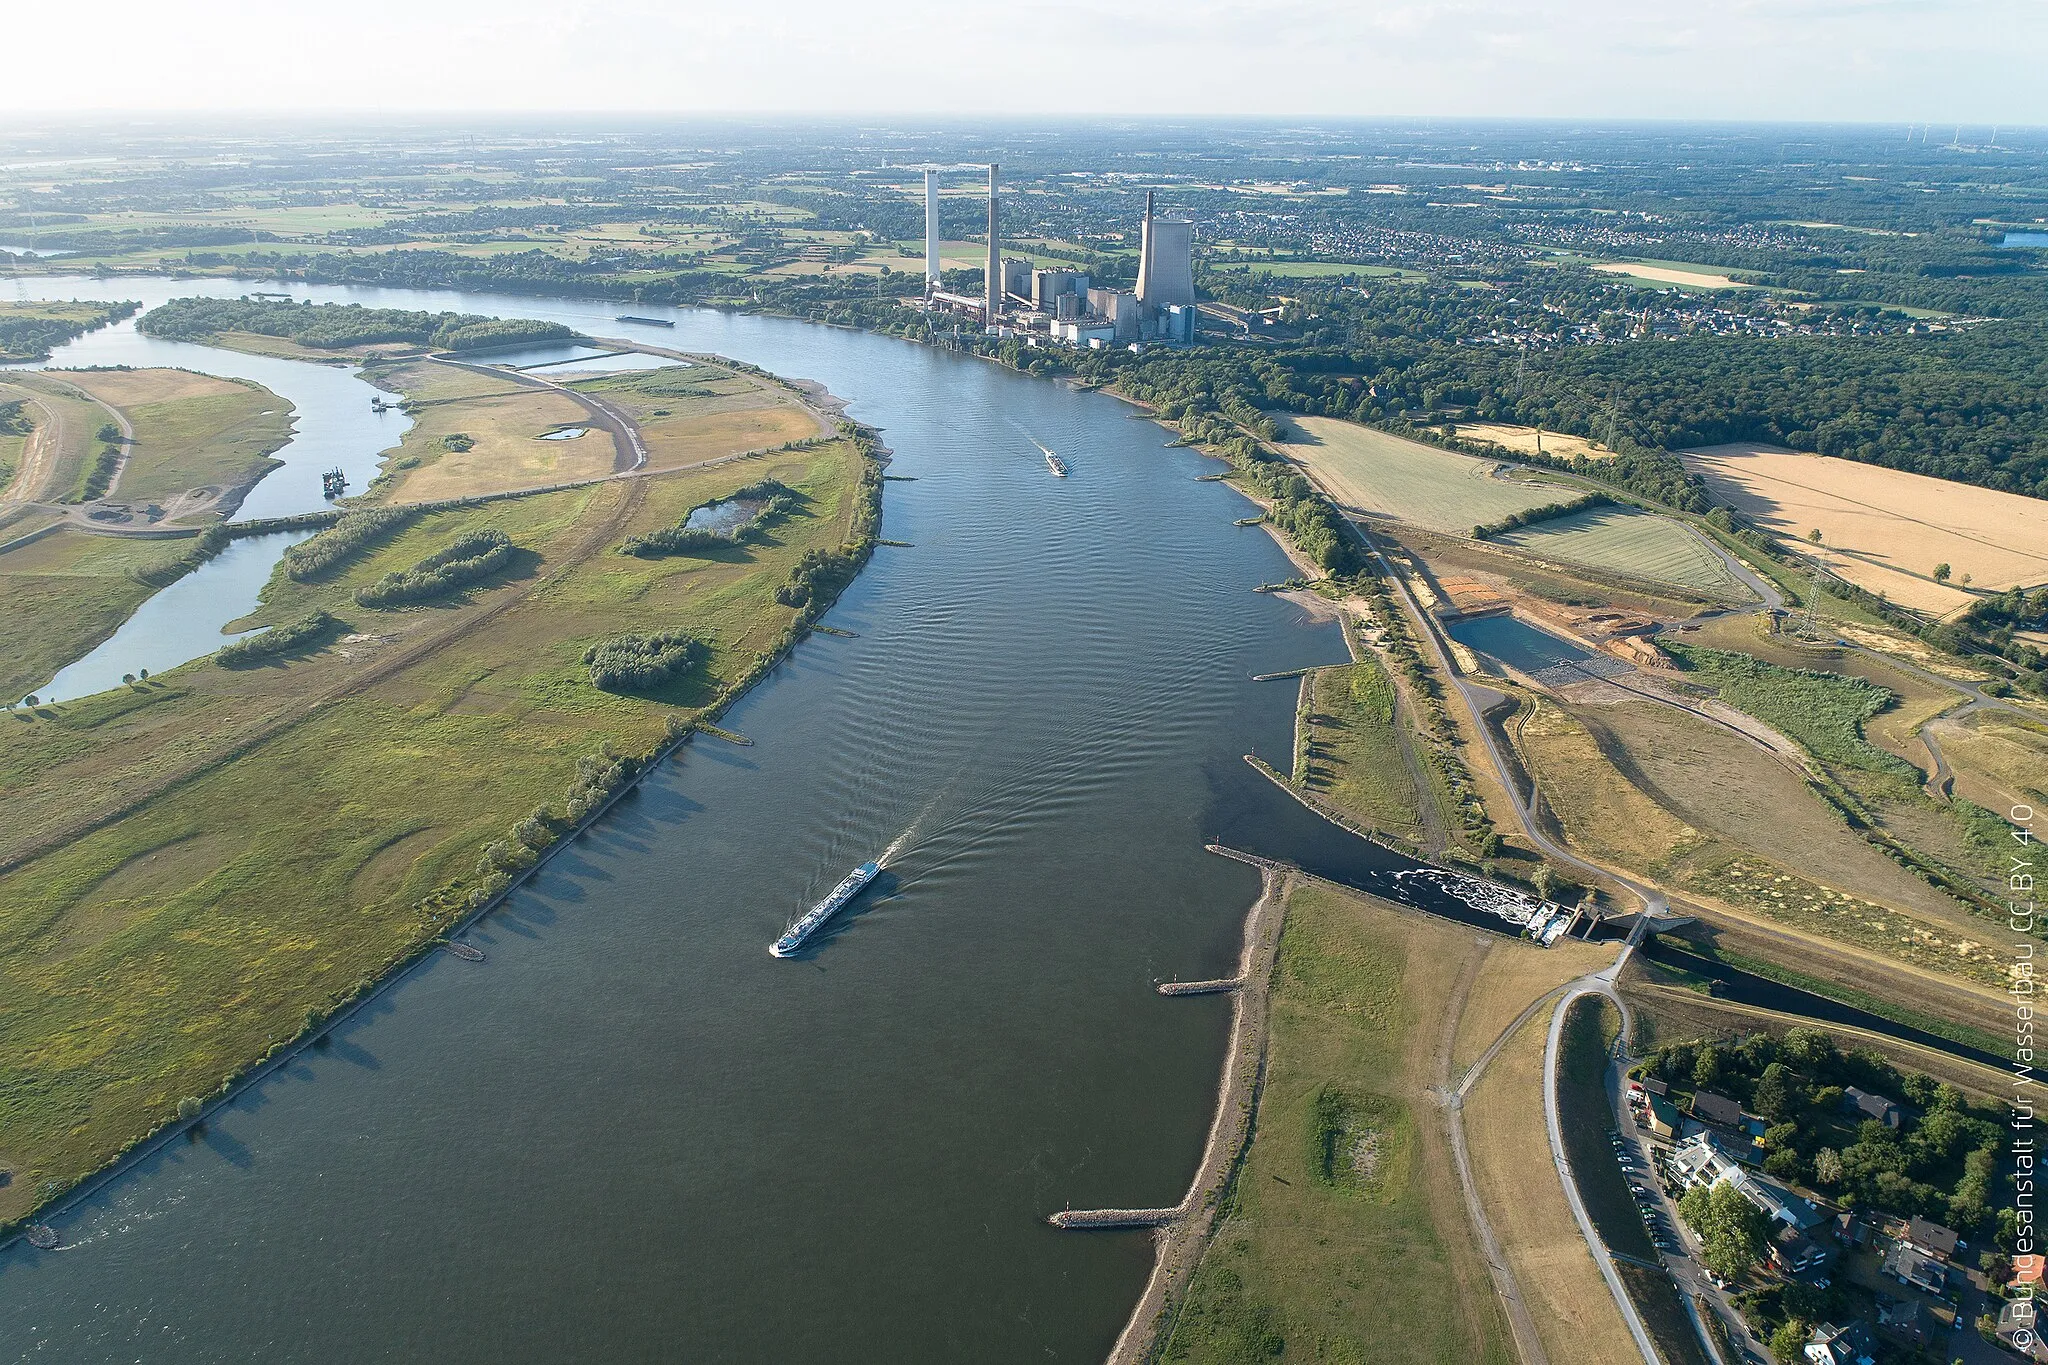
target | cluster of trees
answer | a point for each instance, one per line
(819, 577)
(1515, 521)
(598, 776)
(356, 532)
(329, 326)
(476, 555)
(275, 642)
(1991, 625)
(1734, 1233)
(14, 419)
(99, 475)
(769, 500)
(1941, 1163)
(26, 336)
(641, 663)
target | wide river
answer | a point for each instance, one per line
(633, 1135)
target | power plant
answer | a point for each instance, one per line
(1020, 299)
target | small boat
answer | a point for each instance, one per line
(643, 322)
(1056, 464)
(465, 952)
(43, 1237)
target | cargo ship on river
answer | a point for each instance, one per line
(814, 919)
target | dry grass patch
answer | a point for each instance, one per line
(1515, 973)
(1520, 1189)
(127, 388)
(1884, 529)
(1523, 440)
(1665, 274)
(1604, 815)
(2000, 761)
(478, 433)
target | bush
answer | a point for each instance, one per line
(641, 663)
(476, 555)
(1532, 516)
(286, 639)
(343, 541)
(818, 577)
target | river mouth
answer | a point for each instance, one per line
(630, 1126)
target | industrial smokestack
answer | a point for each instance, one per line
(994, 282)
(931, 227)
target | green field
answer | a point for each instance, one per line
(149, 957)
(1345, 1237)
(1379, 474)
(65, 593)
(1627, 541)
(192, 432)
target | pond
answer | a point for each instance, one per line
(1514, 642)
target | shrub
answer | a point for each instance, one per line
(476, 555)
(343, 541)
(278, 640)
(641, 663)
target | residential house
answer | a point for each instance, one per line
(1660, 1116)
(1792, 1251)
(1871, 1106)
(1851, 1231)
(1909, 1265)
(1846, 1345)
(1902, 1319)
(1704, 1159)
(2019, 1329)
(1933, 1238)
(1718, 1110)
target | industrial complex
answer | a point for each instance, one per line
(1021, 299)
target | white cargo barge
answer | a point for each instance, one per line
(814, 918)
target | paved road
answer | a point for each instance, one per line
(1773, 599)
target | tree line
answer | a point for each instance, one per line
(331, 326)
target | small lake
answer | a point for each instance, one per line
(2029, 239)
(723, 517)
(1514, 642)
(565, 434)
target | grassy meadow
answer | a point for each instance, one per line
(687, 414)
(1345, 1238)
(1385, 475)
(64, 593)
(480, 433)
(301, 826)
(191, 430)
(1352, 748)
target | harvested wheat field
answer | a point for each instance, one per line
(1689, 277)
(1523, 440)
(1883, 529)
(1625, 541)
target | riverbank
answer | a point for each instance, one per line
(1180, 1243)
(236, 802)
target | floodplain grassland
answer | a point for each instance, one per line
(2000, 760)
(480, 433)
(689, 414)
(1345, 1236)
(1885, 530)
(294, 829)
(191, 430)
(1352, 737)
(64, 593)
(1574, 1313)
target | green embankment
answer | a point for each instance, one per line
(1352, 754)
(156, 955)
(1344, 1236)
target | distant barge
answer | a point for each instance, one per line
(644, 322)
(814, 919)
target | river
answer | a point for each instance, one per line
(633, 1135)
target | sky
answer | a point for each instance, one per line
(1945, 62)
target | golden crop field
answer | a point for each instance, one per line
(1378, 474)
(1522, 440)
(1883, 529)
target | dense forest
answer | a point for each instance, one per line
(29, 335)
(332, 326)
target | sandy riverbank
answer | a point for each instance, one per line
(1181, 1242)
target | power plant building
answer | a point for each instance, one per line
(992, 277)
(1166, 262)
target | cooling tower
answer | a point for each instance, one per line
(1166, 262)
